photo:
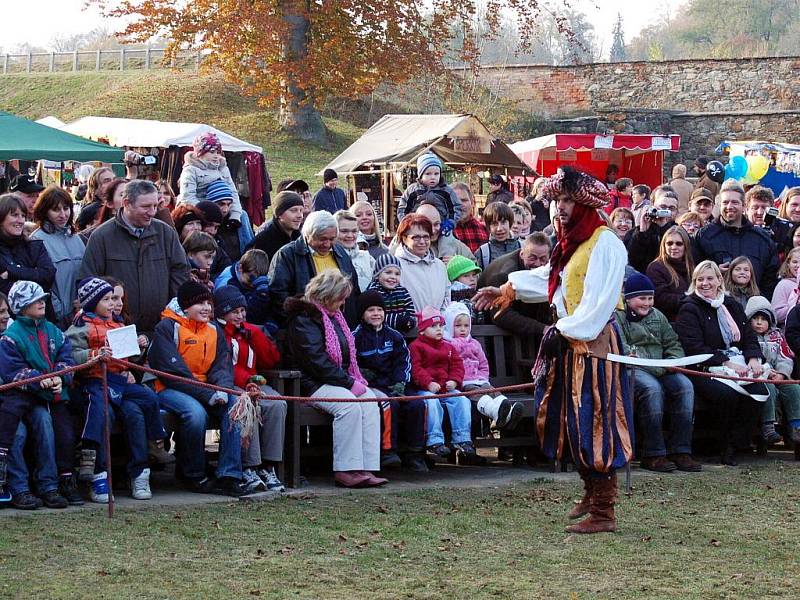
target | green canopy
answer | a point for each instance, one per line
(21, 139)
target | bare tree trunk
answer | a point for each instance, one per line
(298, 113)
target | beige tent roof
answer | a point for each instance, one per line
(459, 140)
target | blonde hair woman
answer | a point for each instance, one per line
(671, 270)
(369, 227)
(711, 322)
(322, 346)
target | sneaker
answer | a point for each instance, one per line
(252, 483)
(68, 487)
(86, 466)
(140, 486)
(415, 463)
(98, 492)
(465, 448)
(389, 460)
(508, 415)
(200, 486)
(53, 499)
(271, 480)
(769, 435)
(228, 486)
(25, 501)
(439, 450)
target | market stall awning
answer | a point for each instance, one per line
(586, 141)
(21, 139)
(459, 140)
(145, 133)
(51, 121)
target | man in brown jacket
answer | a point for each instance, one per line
(142, 252)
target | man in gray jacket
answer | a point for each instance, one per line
(142, 252)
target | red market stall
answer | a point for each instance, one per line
(638, 156)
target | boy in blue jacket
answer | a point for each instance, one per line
(32, 346)
(384, 361)
(430, 187)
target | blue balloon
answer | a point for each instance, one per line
(739, 167)
(729, 171)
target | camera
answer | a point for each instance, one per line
(772, 217)
(658, 213)
(135, 159)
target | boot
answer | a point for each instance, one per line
(157, 454)
(601, 510)
(582, 507)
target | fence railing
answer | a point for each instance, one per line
(124, 59)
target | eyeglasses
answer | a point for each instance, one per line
(673, 244)
(623, 222)
(669, 208)
(420, 238)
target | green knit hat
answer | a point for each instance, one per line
(460, 265)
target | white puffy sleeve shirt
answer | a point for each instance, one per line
(601, 289)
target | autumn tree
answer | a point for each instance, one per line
(618, 44)
(296, 53)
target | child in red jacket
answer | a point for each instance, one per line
(252, 351)
(436, 367)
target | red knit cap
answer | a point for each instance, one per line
(428, 318)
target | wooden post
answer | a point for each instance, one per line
(75, 60)
(147, 58)
(52, 65)
(97, 61)
(29, 67)
(122, 59)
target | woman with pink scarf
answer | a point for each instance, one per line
(321, 346)
(711, 322)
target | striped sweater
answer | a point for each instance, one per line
(398, 305)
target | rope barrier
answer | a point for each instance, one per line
(733, 377)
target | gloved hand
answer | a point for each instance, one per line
(448, 225)
(398, 389)
(218, 398)
(261, 286)
(406, 323)
(234, 223)
(358, 388)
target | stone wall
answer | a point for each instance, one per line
(756, 84)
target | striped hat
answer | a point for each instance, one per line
(90, 291)
(219, 190)
(384, 261)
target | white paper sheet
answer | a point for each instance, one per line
(123, 342)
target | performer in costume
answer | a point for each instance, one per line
(580, 398)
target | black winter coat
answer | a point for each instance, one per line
(272, 238)
(643, 245)
(25, 260)
(305, 342)
(698, 329)
(792, 337)
(384, 355)
(291, 270)
(668, 296)
(722, 243)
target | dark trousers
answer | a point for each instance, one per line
(16, 404)
(735, 414)
(402, 425)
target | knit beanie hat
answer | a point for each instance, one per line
(460, 265)
(226, 299)
(219, 190)
(428, 318)
(91, 290)
(191, 214)
(210, 211)
(426, 161)
(329, 174)
(205, 142)
(24, 293)
(369, 299)
(384, 261)
(639, 285)
(191, 293)
(284, 201)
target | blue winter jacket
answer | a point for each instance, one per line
(383, 355)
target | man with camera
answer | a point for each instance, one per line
(760, 208)
(654, 221)
(732, 235)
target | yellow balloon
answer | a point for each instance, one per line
(757, 166)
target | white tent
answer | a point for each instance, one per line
(144, 133)
(50, 121)
(460, 140)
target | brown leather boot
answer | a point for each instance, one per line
(601, 512)
(582, 507)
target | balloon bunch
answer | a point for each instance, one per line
(749, 170)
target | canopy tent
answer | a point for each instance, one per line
(21, 139)
(784, 170)
(51, 121)
(138, 133)
(638, 156)
(460, 140)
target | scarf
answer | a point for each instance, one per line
(582, 224)
(332, 346)
(727, 326)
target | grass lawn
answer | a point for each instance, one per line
(725, 533)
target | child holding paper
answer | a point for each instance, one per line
(136, 405)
